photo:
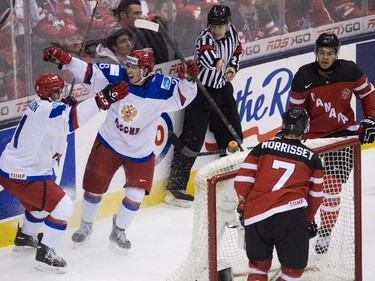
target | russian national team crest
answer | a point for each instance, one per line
(128, 112)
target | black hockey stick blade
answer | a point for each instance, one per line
(146, 24)
(181, 147)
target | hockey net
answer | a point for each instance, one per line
(217, 241)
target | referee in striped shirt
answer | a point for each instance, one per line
(217, 52)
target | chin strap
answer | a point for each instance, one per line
(143, 78)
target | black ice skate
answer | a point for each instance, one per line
(48, 261)
(118, 241)
(23, 241)
(83, 233)
(323, 240)
(179, 198)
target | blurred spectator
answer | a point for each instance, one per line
(341, 10)
(127, 12)
(154, 40)
(310, 14)
(101, 20)
(9, 87)
(73, 44)
(115, 48)
(190, 21)
(57, 19)
(11, 60)
(251, 22)
(35, 16)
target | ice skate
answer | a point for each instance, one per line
(83, 233)
(48, 261)
(323, 240)
(179, 198)
(24, 242)
(118, 241)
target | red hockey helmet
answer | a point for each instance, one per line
(142, 59)
(48, 85)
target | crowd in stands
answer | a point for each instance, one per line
(106, 28)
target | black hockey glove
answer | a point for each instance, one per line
(69, 100)
(366, 130)
(111, 93)
(242, 220)
(312, 229)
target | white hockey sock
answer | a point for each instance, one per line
(90, 206)
(52, 234)
(129, 206)
(33, 221)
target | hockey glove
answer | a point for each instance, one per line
(69, 100)
(188, 72)
(366, 130)
(242, 220)
(56, 55)
(312, 229)
(111, 93)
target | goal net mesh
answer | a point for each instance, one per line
(338, 263)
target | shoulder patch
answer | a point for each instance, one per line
(166, 83)
(114, 69)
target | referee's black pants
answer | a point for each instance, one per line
(200, 115)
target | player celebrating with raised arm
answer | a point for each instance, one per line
(26, 164)
(127, 137)
(217, 51)
(325, 89)
(279, 189)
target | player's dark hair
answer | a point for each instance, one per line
(124, 5)
(328, 41)
(111, 39)
(295, 121)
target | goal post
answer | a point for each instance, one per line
(217, 234)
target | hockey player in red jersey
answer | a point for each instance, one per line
(279, 189)
(26, 164)
(325, 89)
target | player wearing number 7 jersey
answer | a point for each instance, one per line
(279, 189)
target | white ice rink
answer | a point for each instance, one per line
(160, 239)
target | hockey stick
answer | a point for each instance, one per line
(276, 274)
(81, 53)
(181, 147)
(153, 26)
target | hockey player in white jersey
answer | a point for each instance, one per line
(26, 164)
(127, 137)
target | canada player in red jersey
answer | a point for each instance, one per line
(279, 189)
(325, 89)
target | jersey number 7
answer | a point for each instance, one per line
(289, 170)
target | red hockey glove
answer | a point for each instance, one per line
(69, 100)
(192, 69)
(366, 130)
(57, 56)
(111, 93)
(188, 72)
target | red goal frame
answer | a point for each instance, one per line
(211, 207)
